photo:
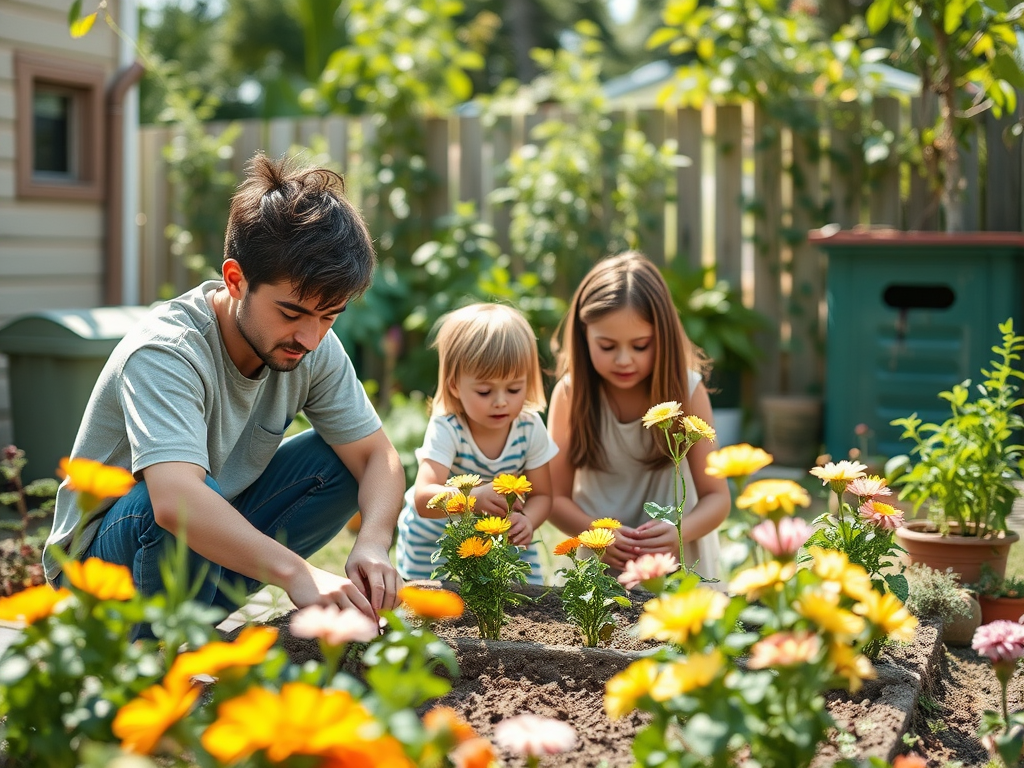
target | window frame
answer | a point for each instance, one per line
(85, 84)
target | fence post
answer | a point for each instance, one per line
(729, 193)
(689, 188)
(767, 252)
(652, 237)
(884, 204)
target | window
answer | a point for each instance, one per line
(60, 145)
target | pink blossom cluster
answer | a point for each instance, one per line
(647, 568)
(333, 625)
(532, 735)
(783, 538)
(1000, 640)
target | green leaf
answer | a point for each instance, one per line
(898, 585)
(658, 512)
(878, 15)
(954, 14)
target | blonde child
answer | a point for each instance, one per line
(621, 349)
(484, 421)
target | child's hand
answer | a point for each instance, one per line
(521, 532)
(621, 550)
(653, 537)
(490, 503)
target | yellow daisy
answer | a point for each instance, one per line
(675, 618)
(740, 460)
(662, 415)
(494, 526)
(695, 671)
(823, 609)
(766, 497)
(696, 428)
(32, 604)
(840, 574)
(597, 539)
(511, 485)
(887, 612)
(474, 546)
(464, 483)
(102, 580)
(623, 690)
(855, 667)
(606, 522)
(754, 581)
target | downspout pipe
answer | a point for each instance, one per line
(113, 264)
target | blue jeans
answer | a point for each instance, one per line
(303, 499)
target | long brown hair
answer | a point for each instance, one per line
(626, 281)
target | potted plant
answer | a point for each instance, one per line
(1001, 598)
(964, 471)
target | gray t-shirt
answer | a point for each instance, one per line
(169, 392)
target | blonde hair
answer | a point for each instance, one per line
(486, 341)
(626, 281)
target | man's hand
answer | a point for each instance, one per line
(314, 586)
(521, 532)
(371, 571)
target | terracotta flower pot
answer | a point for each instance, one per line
(1001, 608)
(960, 631)
(963, 554)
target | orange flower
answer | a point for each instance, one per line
(102, 580)
(475, 753)
(32, 604)
(96, 479)
(458, 503)
(567, 546)
(913, 760)
(248, 649)
(474, 546)
(432, 603)
(141, 722)
(447, 720)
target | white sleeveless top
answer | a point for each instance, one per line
(621, 490)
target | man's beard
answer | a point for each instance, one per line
(254, 341)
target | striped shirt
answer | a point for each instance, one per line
(449, 442)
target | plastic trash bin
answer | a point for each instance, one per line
(55, 357)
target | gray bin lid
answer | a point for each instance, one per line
(69, 332)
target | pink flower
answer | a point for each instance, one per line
(333, 625)
(870, 487)
(783, 538)
(883, 515)
(532, 736)
(646, 569)
(1000, 640)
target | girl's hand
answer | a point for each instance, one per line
(521, 532)
(653, 537)
(490, 503)
(621, 550)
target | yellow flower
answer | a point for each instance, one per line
(494, 526)
(567, 546)
(823, 609)
(32, 604)
(840, 574)
(838, 474)
(740, 460)
(474, 546)
(141, 722)
(598, 539)
(675, 618)
(662, 415)
(754, 581)
(457, 503)
(464, 483)
(511, 485)
(785, 649)
(768, 496)
(623, 690)
(854, 666)
(247, 650)
(696, 426)
(606, 522)
(695, 671)
(96, 479)
(439, 500)
(886, 611)
(432, 603)
(102, 580)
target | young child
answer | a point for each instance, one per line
(484, 421)
(621, 349)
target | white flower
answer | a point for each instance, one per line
(333, 625)
(532, 735)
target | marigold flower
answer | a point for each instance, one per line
(512, 485)
(333, 625)
(32, 604)
(662, 415)
(883, 515)
(439, 500)
(868, 487)
(102, 580)
(568, 546)
(248, 649)
(141, 722)
(889, 613)
(823, 609)
(474, 546)
(447, 720)
(457, 503)
(647, 569)
(696, 429)
(606, 522)
(624, 690)
(782, 537)
(533, 736)
(912, 760)
(756, 580)
(839, 474)
(597, 539)
(474, 753)
(740, 460)
(675, 618)
(784, 649)
(855, 667)
(493, 526)
(684, 675)
(999, 640)
(95, 478)
(432, 603)
(765, 497)
(464, 483)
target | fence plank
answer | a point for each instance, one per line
(471, 145)
(804, 371)
(689, 187)
(846, 166)
(652, 236)
(249, 142)
(1003, 183)
(501, 134)
(922, 213)
(729, 193)
(309, 129)
(970, 167)
(280, 136)
(767, 252)
(153, 203)
(884, 203)
(437, 162)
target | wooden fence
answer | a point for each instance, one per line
(743, 204)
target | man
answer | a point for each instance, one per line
(196, 399)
